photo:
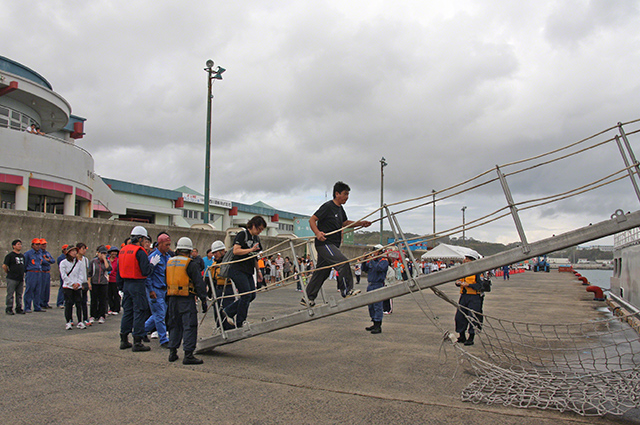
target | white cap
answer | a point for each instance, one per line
(184, 243)
(217, 246)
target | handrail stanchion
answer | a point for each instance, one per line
(628, 163)
(514, 211)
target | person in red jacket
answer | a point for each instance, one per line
(133, 268)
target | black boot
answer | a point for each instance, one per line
(173, 354)
(9, 311)
(19, 310)
(462, 337)
(190, 359)
(124, 341)
(377, 328)
(370, 328)
(146, 338)
(469, 340)
(138, 346)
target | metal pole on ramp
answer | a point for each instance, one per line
(619, 222)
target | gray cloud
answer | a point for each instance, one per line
(320, 91)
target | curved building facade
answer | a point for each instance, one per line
(44, 171)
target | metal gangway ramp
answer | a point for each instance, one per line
(616, 223)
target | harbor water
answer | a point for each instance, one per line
(599, 278)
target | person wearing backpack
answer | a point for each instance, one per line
(245, 247)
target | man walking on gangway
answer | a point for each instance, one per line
(329, 218)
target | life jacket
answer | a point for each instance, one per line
(221, 281)
(128, 263)
(178, 282)
(467, 290)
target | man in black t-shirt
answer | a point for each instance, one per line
(13, 266)
(326, 224)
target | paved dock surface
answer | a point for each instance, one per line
(324, 372)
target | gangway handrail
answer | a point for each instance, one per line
(618, 222)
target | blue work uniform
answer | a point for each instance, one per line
(32, 278)
(376, 270)
(45, 282)
(156, 282)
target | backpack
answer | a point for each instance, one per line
(225, 268)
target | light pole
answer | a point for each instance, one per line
(463, 210)
(383, 163)
(211, 75)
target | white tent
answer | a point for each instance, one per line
(450, 252)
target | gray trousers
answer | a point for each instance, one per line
(328, 255)
(17, 287)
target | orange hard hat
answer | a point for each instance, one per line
(35, 241)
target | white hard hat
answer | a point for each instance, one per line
(184, 243)
(378, 247)
(139, 231)
(217, 246)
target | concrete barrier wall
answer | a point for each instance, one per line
(59, 230)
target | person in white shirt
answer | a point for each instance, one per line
(72, 274)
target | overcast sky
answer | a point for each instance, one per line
(319, 91)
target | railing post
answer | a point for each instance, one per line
(398, 235)
(514, 211)
(627, 163)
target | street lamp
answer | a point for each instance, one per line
(212, 75)
(383, 163)
(463, 210)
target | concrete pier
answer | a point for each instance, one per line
(323, 372)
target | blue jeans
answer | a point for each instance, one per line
(240, 308)
(158, 313)
(32, 290)
(375, 309)
(134, 305)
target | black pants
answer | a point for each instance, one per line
(224, 290)
(467, 317)
(72, 298)
(329, 255)
(99, 295)
(114, 297)
(182, 322)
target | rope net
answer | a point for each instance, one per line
(588, 368)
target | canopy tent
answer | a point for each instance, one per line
(450, 252)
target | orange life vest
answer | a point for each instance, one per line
(178, 282)
(128, 263)
(467, 290)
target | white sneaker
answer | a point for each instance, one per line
(110, 312)
(101, 320)
(91, 320)
(81, 326)
(115, 313)
(154, 335)
(69, 326)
